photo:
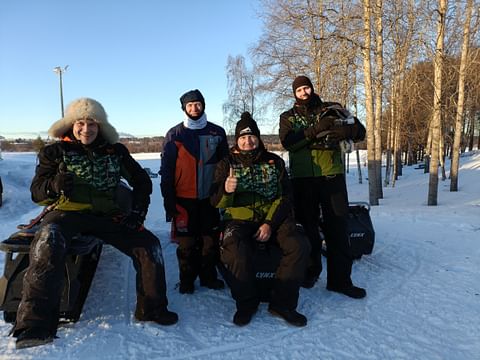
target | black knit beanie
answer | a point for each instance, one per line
(301, 81)
(191, 96)
(246, 126)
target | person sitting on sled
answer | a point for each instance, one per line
(252, 186)
(79, 175)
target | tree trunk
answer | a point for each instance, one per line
(478, 141)
(470, 136)
(461, 100)
(355, 103)
(441, 155)
(428, 149)
(378, 95)
(396, 151)
(372, 165)
(437, 105)
(359, 167)
(388, 153)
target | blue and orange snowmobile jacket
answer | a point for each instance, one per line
(188, 164)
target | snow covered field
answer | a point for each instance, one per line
(422, 281)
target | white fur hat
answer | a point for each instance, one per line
(80, 109)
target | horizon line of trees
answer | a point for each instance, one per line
(135, 145)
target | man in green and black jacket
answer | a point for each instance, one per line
(77, 177)
(314, 133)
(252, 186)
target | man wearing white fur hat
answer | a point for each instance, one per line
(78, 176)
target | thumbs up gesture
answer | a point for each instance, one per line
(62, 183)
(231, 182)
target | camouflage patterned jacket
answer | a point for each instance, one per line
(263, 193)
(97, 170)
(305, 158)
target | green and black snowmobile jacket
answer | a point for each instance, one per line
(97, 170)
(310, 157)
(263, 193)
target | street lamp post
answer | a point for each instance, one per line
(59, 70)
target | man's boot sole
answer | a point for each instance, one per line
(27, 343)
(294, 323)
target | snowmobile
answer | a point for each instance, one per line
(80, 265)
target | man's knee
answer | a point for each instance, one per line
(48, 242)
(148, 248)
(235, 255)
(296, 245)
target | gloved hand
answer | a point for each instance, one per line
(337, 134)
(134, 221)
(62, 183)
(322, 124)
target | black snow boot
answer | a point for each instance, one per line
(309, 281)
(152, 310)
(161, 316)
(34, 336)
(186, 287)
(188, 265)
(291, 316)
(350, 291)
(210, 258)
(243, 316)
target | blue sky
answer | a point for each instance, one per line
(137, 57)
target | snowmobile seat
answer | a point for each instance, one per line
(266, 259)
(361, 234)
(80, 266)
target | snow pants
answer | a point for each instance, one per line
(236, 254)
(198, 249)
(325, 198)
(43, 281)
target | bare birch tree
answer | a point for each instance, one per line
(378, 14)
(437, 103)
(367, 70)
(242, 92)
(316, 38)
(461, 99)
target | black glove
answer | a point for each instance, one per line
(322, 124)
(134, 221)
(330, 139)
(337, 134)
(62, 183)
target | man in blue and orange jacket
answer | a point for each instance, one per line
(190, 154)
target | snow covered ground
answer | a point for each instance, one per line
(422, 280)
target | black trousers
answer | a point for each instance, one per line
(236, 254)
(198, 248)
(326, 197)
(43, 281)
